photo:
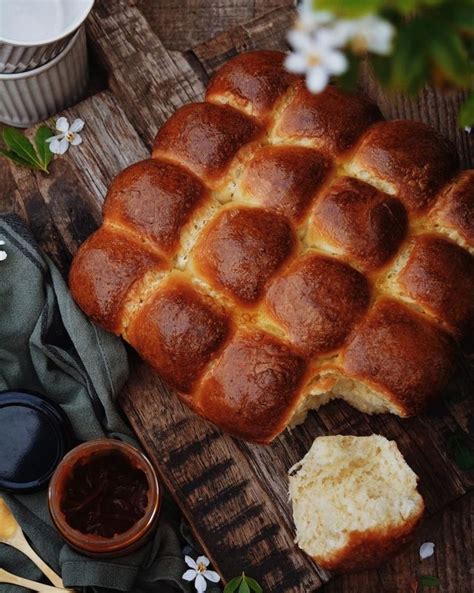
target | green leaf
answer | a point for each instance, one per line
(233, 585)
(459, 15)
(460, 449)
(410, 65)
(428, 581)
(244, 588)
(449, 54)
(9, 154)
(348, 80)
(42, 147)
(348, 8)
(20, 145)
(381, 66)
(466, 114)
(254, 586)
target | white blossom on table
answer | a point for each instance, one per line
(68, 135)
(426, 550)
(199, 573)
(3, 253)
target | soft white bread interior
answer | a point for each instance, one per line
(355, 501)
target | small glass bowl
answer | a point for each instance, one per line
(93, 545)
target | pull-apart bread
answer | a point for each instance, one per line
(355, 501)
(281, 249)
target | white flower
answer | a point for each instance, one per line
(199, 573)
(426, 550)
(308, 18)
(468, 129)
(3, 254)
(68, 135)
(316, 56)
(369, 34)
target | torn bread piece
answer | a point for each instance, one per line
(355, 501)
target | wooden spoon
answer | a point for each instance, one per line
(13, 579)
(12, 535)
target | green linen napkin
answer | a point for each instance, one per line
(47, 345)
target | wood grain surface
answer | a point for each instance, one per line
(233, 494)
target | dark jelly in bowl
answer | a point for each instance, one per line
(104, 498)
(35, 434)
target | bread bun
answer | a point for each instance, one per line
(355, 501)
(281, 249)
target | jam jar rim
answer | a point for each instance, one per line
(97, 544)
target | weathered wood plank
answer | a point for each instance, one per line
(150, 81)
(268, 31)
(452, 531)
(180, 24)
(64, 208)
(227, 500)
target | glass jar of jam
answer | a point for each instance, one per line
(104, 498)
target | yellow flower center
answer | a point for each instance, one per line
(201, 567)
(70, 136)
(359, 44)
(314, 60)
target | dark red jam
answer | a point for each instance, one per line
(104, 495)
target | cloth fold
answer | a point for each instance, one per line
(47, 345)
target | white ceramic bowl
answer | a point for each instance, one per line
(27, 98)
(33, 32)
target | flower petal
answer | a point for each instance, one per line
(336, 62)
(202, 560)
(2, 242)
(301, 40)
(190, 575)
(200, 583)
(62, 125)
(3, 255)
(190, 562)
(426, 550)
(212, 576)
(77, 125)
(77, 139)
(63, 145)
(296, 62)
(317, 79)
(59, 146)
(57, 137)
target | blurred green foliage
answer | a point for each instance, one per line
(434, 44)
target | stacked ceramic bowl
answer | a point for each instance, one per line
(43, 58)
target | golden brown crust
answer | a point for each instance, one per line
(285, 179)
(178, 331)
(410, 155)
(205, 137)
(318, 301)
(333, 119)
(265, 143)
(104, 270)
(440, 276)
(254, 387)
(156, 199)
(255, 80)
(455, 208)
(241, 248)
(369, 549)
(402, 354)
(365, 224)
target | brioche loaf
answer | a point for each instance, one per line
(355, 501)
(281, 249)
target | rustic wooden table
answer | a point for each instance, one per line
(147, 58)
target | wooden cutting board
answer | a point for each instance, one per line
(234, 494)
